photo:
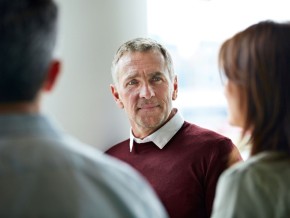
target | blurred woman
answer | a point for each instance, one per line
(256, 65)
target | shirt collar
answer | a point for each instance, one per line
(162, 136)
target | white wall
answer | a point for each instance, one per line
(90, 32)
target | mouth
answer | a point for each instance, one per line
(148, 106)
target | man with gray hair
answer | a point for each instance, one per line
(43, 171)
(181, 161)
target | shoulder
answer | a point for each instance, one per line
(68, 153)
(208, 143)
(195, 130)
(69, 169)
(235, 184)
(204, 136)
(121, 146)
(265, 166)
(234, 190)
(243, 173)
(124, 184)
(105, 167)
(109, 177)
(95, 160)
(261, 182)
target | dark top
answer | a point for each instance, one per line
(185, 172)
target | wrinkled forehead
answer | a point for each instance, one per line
(137, 61)
(141, 61)
(152, 57)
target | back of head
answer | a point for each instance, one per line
(257, 61)
(142, 45)
(27, 38)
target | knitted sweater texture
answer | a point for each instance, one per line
(184, 173)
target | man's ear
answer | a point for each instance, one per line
(175, 88)
(52, 75)
(116, 96)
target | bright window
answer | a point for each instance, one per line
(193, 31)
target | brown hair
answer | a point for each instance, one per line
(257, 61)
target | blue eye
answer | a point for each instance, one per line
(132, 82)
(156, 78)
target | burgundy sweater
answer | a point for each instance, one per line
(185, 172)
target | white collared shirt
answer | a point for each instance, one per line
(162, 136)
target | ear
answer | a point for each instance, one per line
(52, 75)
(116, 96)
(175, 88)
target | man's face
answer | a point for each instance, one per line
(144, 90)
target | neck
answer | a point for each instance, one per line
(19, 107)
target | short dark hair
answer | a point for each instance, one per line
(27, 39)
(257, 60)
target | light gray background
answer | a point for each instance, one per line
(90, 31)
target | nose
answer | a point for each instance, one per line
(146, 91)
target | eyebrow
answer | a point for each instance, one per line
(135, 74)
(156, 74)
(131, 75)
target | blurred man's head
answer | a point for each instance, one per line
(27, 39)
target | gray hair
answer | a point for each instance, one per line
(141, 45)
